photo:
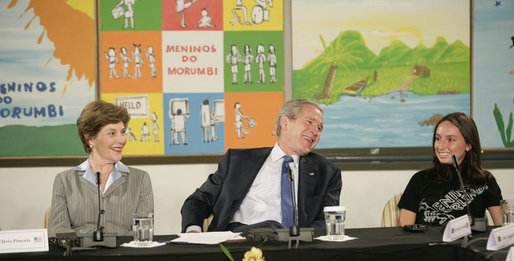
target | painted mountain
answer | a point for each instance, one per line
(440, 69)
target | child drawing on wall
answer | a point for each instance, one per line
(130, 134)
(181, 6)
(272, 59)
(238, 121)
(247, 60)
(155, 127)
(151, 61)
(260, 12)
(233, 58)
(178, 125)
(111, 57)
(126, 60)
(138, 60)
(237, 19)
(145, 132)
(213, 127)
(205, 21)
(129, 12)
(209, 134)
(261, 59)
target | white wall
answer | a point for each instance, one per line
(25, 193)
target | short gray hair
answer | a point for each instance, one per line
(292, 109)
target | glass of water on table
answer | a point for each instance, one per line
(335, 217)
(142, 228)
(507, 207)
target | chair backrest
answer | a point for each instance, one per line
(207, 223)
(391, 212)
(46, 218)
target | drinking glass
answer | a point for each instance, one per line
(507, 206)
(143, 228)
(335, 217)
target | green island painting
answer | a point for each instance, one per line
(440, 69)
(392, 99)
(384, 72)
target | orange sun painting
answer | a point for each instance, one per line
(70, 26)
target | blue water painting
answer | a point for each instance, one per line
(386, 121)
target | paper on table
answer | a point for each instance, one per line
(139, 245)
(327, 238)
(206, 238)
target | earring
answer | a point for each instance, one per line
(91, 146)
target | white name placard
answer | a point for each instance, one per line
(501, 237)
(18, 241)
(457, 228)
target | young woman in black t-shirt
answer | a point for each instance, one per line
(433, 196)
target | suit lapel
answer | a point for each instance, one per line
(86, 182)
(252, 163)
(120, 182)
(307, 179)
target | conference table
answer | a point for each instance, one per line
(371, 244)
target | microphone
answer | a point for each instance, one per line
(293, 230)
(479, 225)
(98, 238)
(456, 166)
(98, 234)
(294, 233)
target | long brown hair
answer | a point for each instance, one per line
(471, 166)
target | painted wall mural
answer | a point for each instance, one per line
(493, 72)
(47, 74)
(197, 76)
(203, 76)
(384, 71)
(194, 74)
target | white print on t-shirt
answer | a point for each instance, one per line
(453, 200)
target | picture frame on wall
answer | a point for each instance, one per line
(382, 81)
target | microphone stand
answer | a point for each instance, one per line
(294, 233)
(456, 166)
(293, 230)
(477, 224)
(98, 238)
(98, 234)
(480, 227)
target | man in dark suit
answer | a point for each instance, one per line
(245, 190)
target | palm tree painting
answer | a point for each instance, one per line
(332, 57)
(381, 70)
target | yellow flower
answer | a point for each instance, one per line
(255, 254)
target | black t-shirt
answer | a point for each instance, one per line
(435, 203)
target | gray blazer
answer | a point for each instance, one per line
(75, 202)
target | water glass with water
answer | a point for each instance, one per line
(143, 228)
(335, 217)
(507, 207)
